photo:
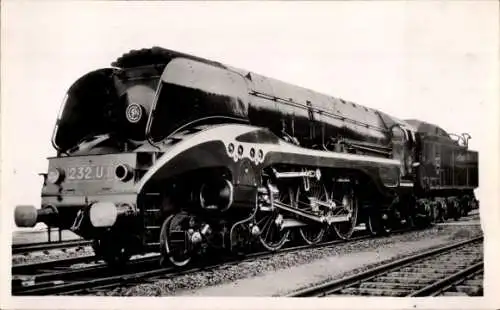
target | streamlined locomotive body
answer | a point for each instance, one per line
(167, 151)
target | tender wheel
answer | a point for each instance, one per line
(441, 212)
(272, 236)
(174, 240)
(423, 216)
(434, 213)
(312, 233)
(111, 251)
(444, 210)
(466, 205)
(456, 210)
(346, 206)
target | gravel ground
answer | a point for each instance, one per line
(187, 284)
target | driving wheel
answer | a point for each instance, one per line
(269, 221)
(312, 233)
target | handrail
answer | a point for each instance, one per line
(313, 109)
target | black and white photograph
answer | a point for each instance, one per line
(269, 151)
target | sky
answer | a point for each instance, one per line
(434, 61)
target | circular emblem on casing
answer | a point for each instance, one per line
(134, 113)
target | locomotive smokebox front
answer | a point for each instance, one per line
(85, 192)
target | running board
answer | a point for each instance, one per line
(312, 217)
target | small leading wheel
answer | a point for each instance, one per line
(312, 233)
(272, 235)
(347, 206)
(111, 251)
(174, 242)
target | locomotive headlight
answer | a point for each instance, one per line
(106, 214)
(133, 113)
(55, 176)
(103, 214)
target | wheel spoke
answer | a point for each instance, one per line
(312, 233)
(271, 237)
(261, 220)
(347, 205)
(268, 229)
(267, 225)
(176, 250)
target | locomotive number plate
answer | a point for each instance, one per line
(90, 173)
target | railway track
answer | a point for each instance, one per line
(99, 277)
(35, 268)
(63, 277)
(44, 246)
(455, 270)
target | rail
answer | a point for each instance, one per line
(342, 286)
(42, 246)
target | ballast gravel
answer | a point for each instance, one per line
(229, 280)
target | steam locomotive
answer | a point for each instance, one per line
(169, 152)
